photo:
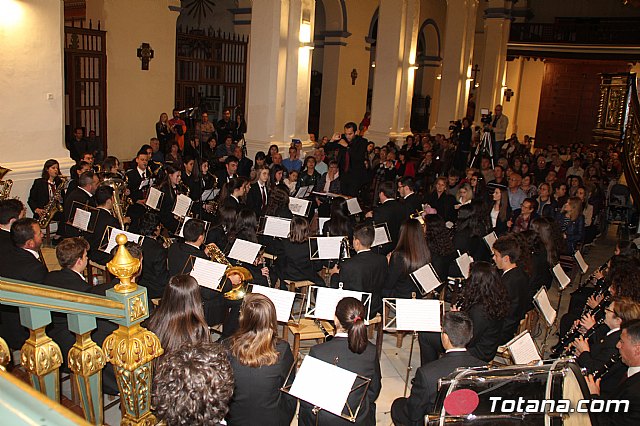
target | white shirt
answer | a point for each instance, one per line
(87, 192)
(81, 276)
(494, 217)
(341, 335)
(613, 330)
(362, 251)
(34, 253)
(141, 172)
(456, 350)
(633, 370)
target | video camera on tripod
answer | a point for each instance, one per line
(486, 116)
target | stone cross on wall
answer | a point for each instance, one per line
(145, 53)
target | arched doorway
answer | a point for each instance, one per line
(428, 59)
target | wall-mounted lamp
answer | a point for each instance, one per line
(373, 64)
(413, 67)
(11, 14)
(305, 35)
(439, 77)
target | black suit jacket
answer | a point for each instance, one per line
(133, 184)
(167, 218)
(366, 271)
(254, 199)
(155, 274)
(5, 241)
(256, 397)
(365, 364)
(425, 387)
(224, 177)
(294, 263)
(412, 204)
(516, 281)
(391, 212)
(104, 220)
(486, 334)
(601, 349)
(629, 390)
(79, 197)
(444, 205)
(39, 194)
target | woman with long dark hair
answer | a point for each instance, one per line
(294, 263)
(44, 188)
(261, 363)
(339, 222)
(224, 220)
(500, 211)
(410, 254)
(438, 237)
(179, 318)
(472, 225)
(278, 203)
(276, 176)
(245, 228)
(168, 187)
(349, 349)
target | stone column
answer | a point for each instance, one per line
(497, 23)
(279, 73)
(459, 38)
(398, 25)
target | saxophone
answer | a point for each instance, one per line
(5, 185)
(53, 206)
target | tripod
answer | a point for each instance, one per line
(485, 146)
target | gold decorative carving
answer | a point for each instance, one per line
(86, 357)
(5, 354)
(124, 266)
(131, 347)
(137, 308)
(40, 355)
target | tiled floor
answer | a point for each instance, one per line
(394, 360)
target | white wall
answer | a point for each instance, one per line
(31, 90)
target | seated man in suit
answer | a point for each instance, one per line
(82, 195)
(457, 330)
(629, 388)
(139, 180)
(181, 257)
(104, 200)
(507, 254)
(72, 257)
(75, 172)
(155, 274)
(10, 211)
(391, 212)
(366, 271)
(22, 263)
(411, 201)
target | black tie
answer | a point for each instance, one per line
(264, 197)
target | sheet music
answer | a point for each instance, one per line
(153, 200)
(183, 204)
(562, 277)
(583, 265)
(304, 191)
(282, 300)
(115, 232)
(276, 227)
(544, 305)
(490, 239)
(426, 277)
(209, 194)
(381, 236)
(329, 247)
(244, 251)
(464, 263)
(207, 273)
(637, 242)
(299, 206)
(321, 222)
(81, 219)
(523, 349)
(418, 315)
(144, 183)
(322, 384)
(327, 299)
(353, 206)
(187, 219)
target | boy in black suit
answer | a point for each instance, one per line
(366, 271)
(10, 211)
(391, 212)
(410, 200)
(104, 201)
(82, 195)
(457, 330)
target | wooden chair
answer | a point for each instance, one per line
(376, 323)
(307, 330)
(302, 285)
(106, 275)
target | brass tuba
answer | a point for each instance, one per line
(119, 206)
(237, 292)
(5, 185)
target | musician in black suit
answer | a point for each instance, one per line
(82, 195)
(629, 388)
(410, 200)
(294, 262)
(11, 210)
(442, 201)
(228, 172)
(258, 195)
(21, 263)
(365, 271)
(349, 349)
(155, 274)
(457, 330)
(181, 257)
(44, 188)
(234, 193)
(351, 152)
(169, 187)
(391, 212)
(104, 200)
(507, 253)
(72, 257)
(139, 179)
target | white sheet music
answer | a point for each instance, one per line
(81, 219)
(299, 206)
(490, 239)
(523, 349)
(583, 265)
(209, 194)
(322, 384)
(115, 232)
(353, 206)
(183, 204)
(464, 263)
(418, 315)
(282, 300)
(321, 222)
(244, 251)
(544, 305)
(426, 277)
(329, 247)
(327, 299)
(144, 183)
(153, 200)
(562, 277)
(207, 273)
(276, 227)
(381, 236)
(304, 191)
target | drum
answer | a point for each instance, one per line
(516, 395)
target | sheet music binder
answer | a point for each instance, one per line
(348, 412)
(183, 220)
(314, 253)
(333, 294)
(389, 313)
(510, 343)
(160, 199)
(300, 299)
(190, 264)
(423, 291)
(91, 226)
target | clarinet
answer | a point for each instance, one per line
(602, 371)
(264, 265)
(327, 336)
(574, 332)
(592, 277)
(568, 350)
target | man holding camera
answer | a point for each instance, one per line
(498, 126)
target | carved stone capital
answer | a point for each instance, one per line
(86, 357)
(40, 355)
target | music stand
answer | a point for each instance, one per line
(108, 241)
(314, 376)
(550, 315)
(154, 198)
(299, 207)
(83, 217)
(522, 349)
(426, 279)
(206, 271)
(183, 220)
(381, 236)
(276, 227)
(419, 317)
(182, 206)
(322, 301)
(304, 191)
(327, 248)
(284, 302)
